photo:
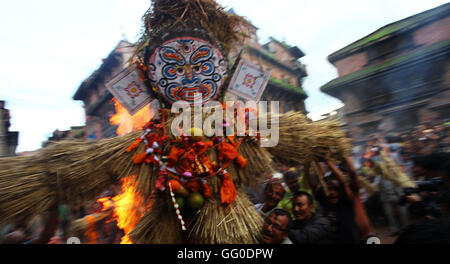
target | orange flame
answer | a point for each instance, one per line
(128, 123)
(106, 203)
(129, 206)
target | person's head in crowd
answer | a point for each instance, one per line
(391, 139)
(374, 151)
(422, 142)
(432, 166)
(17, 236)
(421, 127)
(273, 193)
(405, 155)
(302, 206)
(416, 134)
(417, 169)
(291, 178)
(373, 140)
(334, 190)
(367, 152)
(439, 128)
(276, 227)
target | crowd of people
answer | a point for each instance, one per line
(342, 210)
(311, 212)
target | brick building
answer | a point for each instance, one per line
(75, 132)
(8, 139)
(396, 77)
(282, 59)
(285, 84)
(96, 97)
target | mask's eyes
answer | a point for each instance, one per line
(180, 70)
(186, 48)
(197, 68)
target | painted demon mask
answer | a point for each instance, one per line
(187, 68)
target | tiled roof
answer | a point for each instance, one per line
(404, 58)
(393, 29)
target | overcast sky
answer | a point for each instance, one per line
(48, 47)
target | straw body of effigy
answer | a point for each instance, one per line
(73, 172)
(160, 226)
(212, 224)
(237, 224)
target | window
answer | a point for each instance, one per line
(388, 48)
(271, 47)
(405, 119)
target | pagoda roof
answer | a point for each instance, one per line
(403, 59)
(295, 51)
(111, 59)
(392, 29)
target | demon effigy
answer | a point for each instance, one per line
(190, 183)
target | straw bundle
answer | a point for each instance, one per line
(329, 138)
(367, 185)
(160, 226)
(302, 141)
(164, 15)
(80, 225)
(65, 172)
(239, 224)
(25, 190)
(294, 145)
(259, 162)
(389, 169)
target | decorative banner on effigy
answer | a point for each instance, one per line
(129, 90)
(249, 81)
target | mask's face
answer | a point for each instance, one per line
(186, 67)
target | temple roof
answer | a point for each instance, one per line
(392, 29)
(111, 59)
(295, 51)
(387, 64)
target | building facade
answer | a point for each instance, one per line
(75, 132)
(8, 139)
(98, 104)
(282, 59)
(396, 77)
